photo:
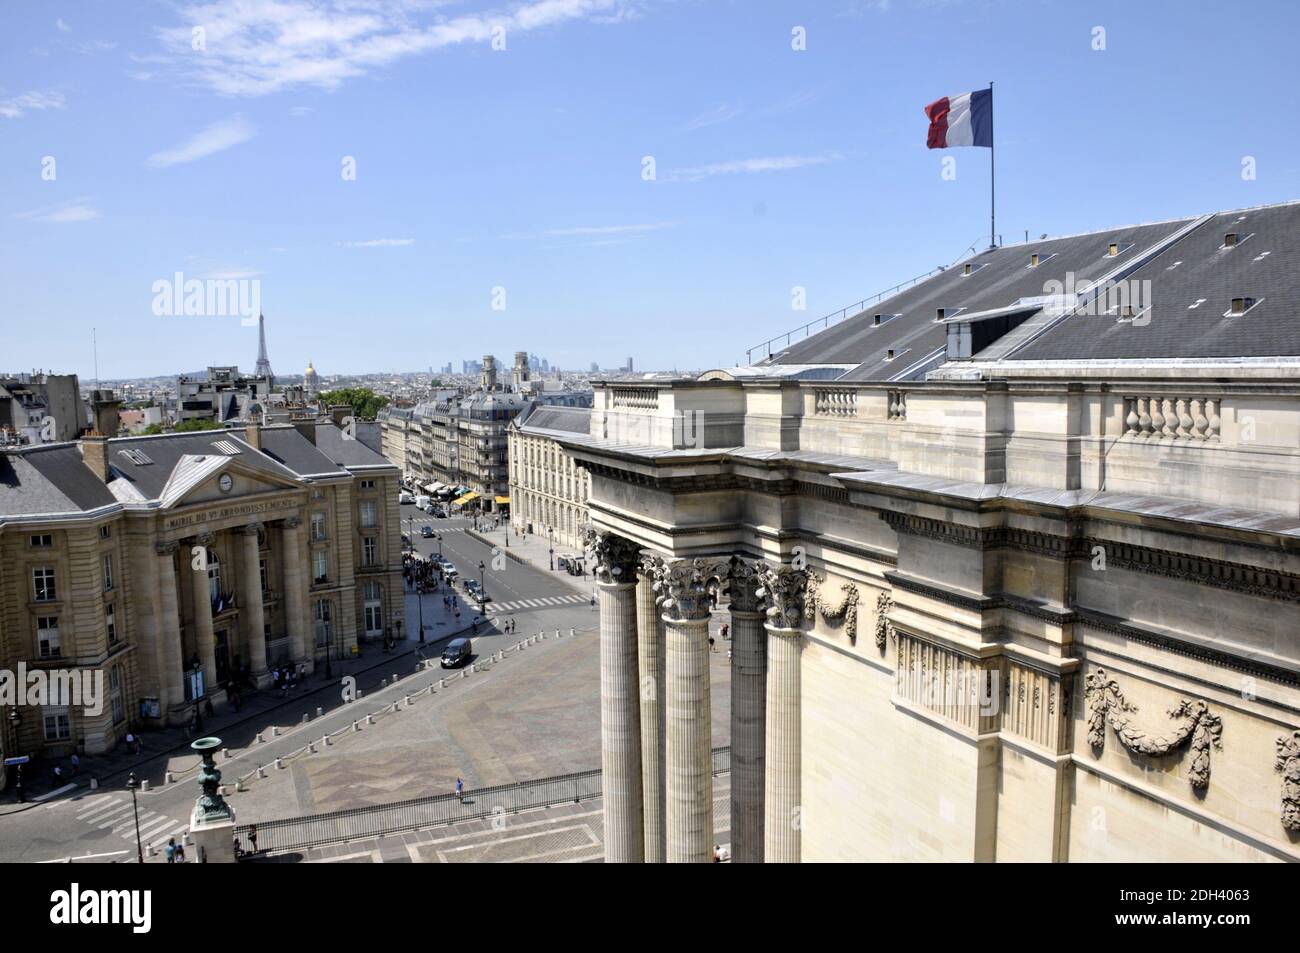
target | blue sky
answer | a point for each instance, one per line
(522, 168)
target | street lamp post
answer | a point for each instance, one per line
(132, 784)
(482, 590)
(198, 715)
(15, 721)
(550, 541)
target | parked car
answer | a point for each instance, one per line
(426, 532)
(404, 498)
(456, 653)
(448, 569)
(473, 588)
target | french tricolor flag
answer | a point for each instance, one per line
(963, 120)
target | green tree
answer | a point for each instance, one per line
(364, 402)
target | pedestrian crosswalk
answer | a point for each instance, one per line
(542, 603)
(115, 814)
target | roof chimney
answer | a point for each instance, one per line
(94, 454)
(253, 435)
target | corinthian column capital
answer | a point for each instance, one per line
(615, 557)
(683, 585)
(784, 590)
(744, 582)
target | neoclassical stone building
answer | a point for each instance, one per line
(170, 563)
(548, 490)
(1012, 565)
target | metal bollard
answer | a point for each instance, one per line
(319, 711)
(260, 739)
(144, 786)
(275, 731)
(572, 632)
(327, 741)
(370, 719)
(355, 726)
(94, 784)
(239, 785)
(261, 771)
(225, 754)
(311, 747)
(167, 778)
(279, 764)
(305, 718)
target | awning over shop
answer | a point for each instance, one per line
(503, 501)
(466, 498)
(429, 488)
(437, 487)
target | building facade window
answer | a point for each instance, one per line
(214, 577)
(48, 643)
(115, 693)
(374, 612)
(369, 513)
(320, 571)
(58, 726)
(105, 532)
(265, 576)
(110, 618)
(42, 541)
(108, 572)
(369, 550)
(43, 584)
(317, 527)
(324, 623)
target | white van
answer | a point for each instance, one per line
(405, 497)
(422, 501)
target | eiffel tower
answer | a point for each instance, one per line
(263, 368)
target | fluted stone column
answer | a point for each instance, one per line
(748, 714)
(650, 652)
(204, 637)
(688, 713)
(294, 570)
(783, 590)
(251, 610)
(620, 713)
(169, 630)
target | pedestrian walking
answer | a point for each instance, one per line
(712, 647)
(76, 763)
(252, 838)
(171, 851)
(460, 790)
(180, 853)
(725, 630)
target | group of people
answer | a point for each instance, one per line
(286, 677)
(421, 575)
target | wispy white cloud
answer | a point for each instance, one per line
(62, 213)
(62, 25)
(750, 166)
(379, 243)
(608, 229)
(713, 117)
(256, 47)
(221, 135)
(32, 100)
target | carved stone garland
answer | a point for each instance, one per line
(884, 628)
(1201, 729)
(846, 612)
(1288, 762)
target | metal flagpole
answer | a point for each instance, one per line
(993, 219)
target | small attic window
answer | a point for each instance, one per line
(137, 457)
(1241, 306)
(971, 267)
(1115, 249)
(889, 354)
(1233, 239)
(1036, 258)
(941, 313)
(1229, 239)
(880, 319)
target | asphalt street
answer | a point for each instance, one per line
(101, 824)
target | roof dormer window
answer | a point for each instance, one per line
(1240, 306)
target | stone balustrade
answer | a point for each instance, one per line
(838, 402)
(1172, 418)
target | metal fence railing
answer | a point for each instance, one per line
(357, 823)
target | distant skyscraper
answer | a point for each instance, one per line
(263, 368)
(595, 368)
(629, 364)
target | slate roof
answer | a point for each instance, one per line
(999, 277)
(1192, 284)
(563, 419)
(1192, 281)
(53, 478)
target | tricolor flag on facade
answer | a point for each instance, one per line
(963, 120)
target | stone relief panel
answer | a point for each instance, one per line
(959, 687)
(1288, 762)
(1032, 705)
(884, 628)
(1196, 727)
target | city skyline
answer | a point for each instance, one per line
(780, 182)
